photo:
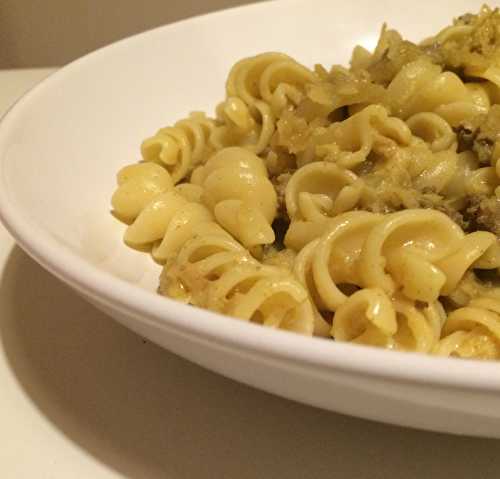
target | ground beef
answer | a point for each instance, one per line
(466, 134)
(482, 213)
(483, 148)
(487, 134)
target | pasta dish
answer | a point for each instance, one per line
(358, 203)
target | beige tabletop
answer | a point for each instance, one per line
(82, 397)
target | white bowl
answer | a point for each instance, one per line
(62, 144)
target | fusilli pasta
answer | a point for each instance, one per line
(358, 203)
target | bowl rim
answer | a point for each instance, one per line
(325, 355)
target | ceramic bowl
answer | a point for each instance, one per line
(62, 144)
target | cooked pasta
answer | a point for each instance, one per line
(274, 78)
(360, 204)
(212, 270)
(181, 147)
(237, 189)
(238, 126)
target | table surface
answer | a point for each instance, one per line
(83, 397)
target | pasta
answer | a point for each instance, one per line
(237, 189)
(214, 271)
(360, 204)
(274, 78)
(180, 147)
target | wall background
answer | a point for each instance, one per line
(35, 33)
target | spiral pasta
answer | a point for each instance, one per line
(433, 129)
(181, 147)
(274, 78)
(159, 214)
(238, 191)
(472, 331)
(421, 252)
(420, 86)
(402, 264)
(315, 193)
(359, 203)
(137, 186)
(371, 317)
(349, 143)
(213, 271)
(165, 223)
(258, 88)
(239, 127)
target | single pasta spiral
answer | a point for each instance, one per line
(238, 191)
(315, 193)
(423, 252)
(161, 216)
(138, 184)
(258, 89)
(331, 261)
(166, 222)
(348, 143)
(371, 317)
(213, 271)
(181, 147)
(472, 331)
(274, 78)
(421, 86)
(238, 127)
(433, 129)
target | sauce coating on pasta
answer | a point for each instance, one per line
(358, 203)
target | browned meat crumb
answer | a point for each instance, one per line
(366, 167)
(487, 135)
(482, 213)
(466, 135)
